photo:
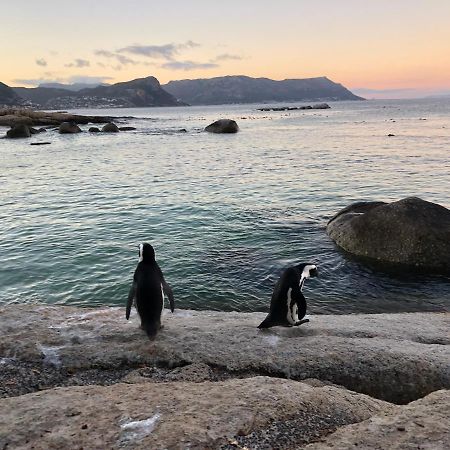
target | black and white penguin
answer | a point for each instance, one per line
(147, 291)
(288, 305)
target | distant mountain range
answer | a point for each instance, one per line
(144, 92)
(242, 89)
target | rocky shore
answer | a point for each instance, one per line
(85, 377)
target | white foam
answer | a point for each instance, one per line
(51, 355)
(135, 430)
(272, 340)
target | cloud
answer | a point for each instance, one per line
(69, 80)
(122, 59)
(87, 79)
(188, 65)
(35, 81)
(166, 51)
(228, 57)
(79, 63)
(41, 62)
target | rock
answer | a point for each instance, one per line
(410, 232)
(177, 414)
(394, 357)
(223, 126)
(127, 128)
(69, 128)
(391, 135)
(94, 130)
(110, 128)
(18, 131)
(321, 106)
(423, 424)
(40, 143)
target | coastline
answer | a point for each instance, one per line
(377, 359)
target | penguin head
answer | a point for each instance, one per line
(307, 270)
(146, 253)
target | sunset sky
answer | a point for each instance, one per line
(399, 47)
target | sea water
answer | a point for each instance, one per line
(225, 213)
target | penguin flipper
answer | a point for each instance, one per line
(296, 324)
(131, 296)
(168, 291)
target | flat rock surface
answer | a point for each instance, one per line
(180, 415)
(394, 357)
(423, 424)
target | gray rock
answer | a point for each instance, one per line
(394, 357)
(321, 106)
(18, 131)
(94, 130)
(69, 128)
(175, 415)
(423, 424)
(411, 232)
(223, 126)
(110, 128)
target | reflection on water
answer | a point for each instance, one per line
(225, 213)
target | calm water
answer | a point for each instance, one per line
(225, 213)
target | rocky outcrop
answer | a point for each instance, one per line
(110, 128)
(178, 415)
(394, 357)
(296, 108)
(30, 117)
(69, 128)
(223, 126)
(19, 131)
(423, 424)
(410, 232)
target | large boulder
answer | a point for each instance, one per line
(394, 357)
(110, 128)
(423, 424)
(223, 126)
(180, 415)
(19, 131)
(410, 232)
(69, 128)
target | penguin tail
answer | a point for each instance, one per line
(266, 323)
(151, 329)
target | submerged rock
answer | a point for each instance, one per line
(411, 232)
(110, 128)
(69, 128)
(19, 131)
(94, 130)
(223, 126)
(127, 128)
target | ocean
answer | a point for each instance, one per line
(225, 213)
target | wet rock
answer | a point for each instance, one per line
(175, 415)
(223, 126)
(411, 232)
(40, 143)
(110, 128)
(69, 128)
(423, 424)
(321, 106)
(18, 131)
(127, 128)
(395, 357)
(94, 130)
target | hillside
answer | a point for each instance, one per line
(242, 89)
(135, 93)
(8, 96)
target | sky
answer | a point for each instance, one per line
(378, 48)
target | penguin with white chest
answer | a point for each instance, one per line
(288, 305)
(147, 291)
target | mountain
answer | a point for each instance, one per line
(72, 87)
(8, 96)
(128, 94)
(242, 89)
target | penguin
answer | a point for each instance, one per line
(288, 305)
(147, 291)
